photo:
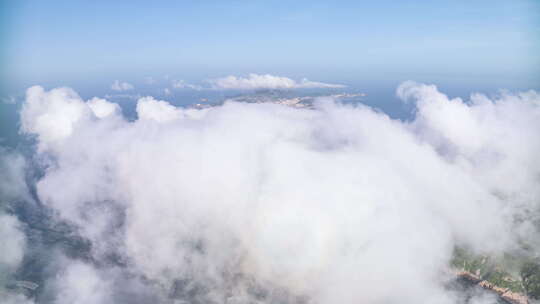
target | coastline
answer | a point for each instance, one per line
(504, 293)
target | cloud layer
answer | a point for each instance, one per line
(267, 81)
(245, 203)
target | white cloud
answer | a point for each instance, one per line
(102, 108)
(123, 96)
(267, 81)
(52, 114)
(13, 243)
(121, 86)
(266, 203)
(81, 283)
(161, 111)
(181, 84)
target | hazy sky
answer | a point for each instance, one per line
(347, 41)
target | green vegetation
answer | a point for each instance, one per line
(518, 274)
(530, 275)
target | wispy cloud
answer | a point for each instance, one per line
(124, 96)
(181, 84)
(267, 81)
(149, 80)
(8, 100)
(121, 86)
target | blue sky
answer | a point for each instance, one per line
(346, 41)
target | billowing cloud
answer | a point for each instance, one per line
(267, 81)
(102, 108)
(149, 108)
(121, 86)
(54, 115)
(265, 203)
